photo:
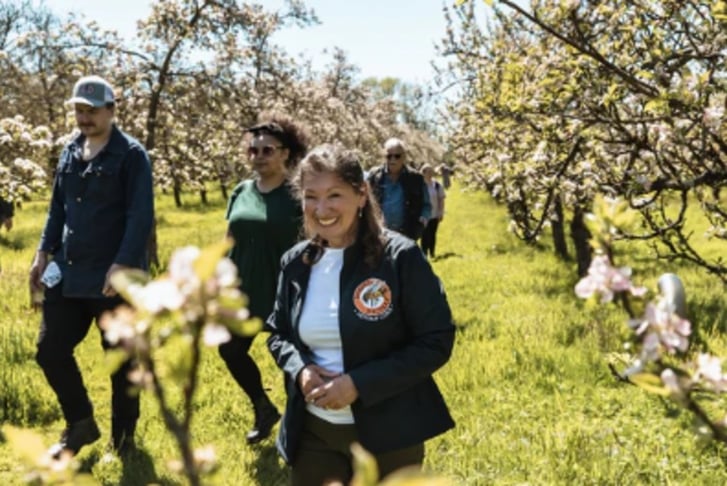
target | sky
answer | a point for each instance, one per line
(382, 37)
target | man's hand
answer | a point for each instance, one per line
(108, 289)
(36, 286)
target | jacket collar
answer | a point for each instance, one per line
(116, 143)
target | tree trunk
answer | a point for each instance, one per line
(177, 195)
(152, 246)
(581, 235)
(203, 196)
(223, 190)
(561, 247)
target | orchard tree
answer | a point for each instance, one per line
(21, 145)
(568, 99)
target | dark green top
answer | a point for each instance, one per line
(264, 226)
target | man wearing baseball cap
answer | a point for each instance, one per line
(99, 221)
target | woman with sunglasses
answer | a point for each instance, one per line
(264, 220)
(360, 324)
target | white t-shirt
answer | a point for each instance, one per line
(319, 325)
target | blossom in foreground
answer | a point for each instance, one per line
(661, 329)
(671, 382)
(709, 372)
(198, 284)
(606, 280)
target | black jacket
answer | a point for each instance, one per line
(412, 184)
(396, 330)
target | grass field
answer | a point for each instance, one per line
(528, 382)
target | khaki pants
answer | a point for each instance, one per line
(324, 454)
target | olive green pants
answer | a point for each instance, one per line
(324, 454)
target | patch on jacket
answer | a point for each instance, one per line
(372, 300)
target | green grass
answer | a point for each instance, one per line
(527, 384)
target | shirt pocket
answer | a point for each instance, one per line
(104, 182)
(69, 179)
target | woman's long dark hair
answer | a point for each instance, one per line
(344, 164)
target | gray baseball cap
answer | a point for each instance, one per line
(92, 91)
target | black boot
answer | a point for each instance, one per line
(122, 437)
(75, 436)
(266, 416)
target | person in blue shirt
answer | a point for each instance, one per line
(99, 221)
(400, 192)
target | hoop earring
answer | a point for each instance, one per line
(360, 213)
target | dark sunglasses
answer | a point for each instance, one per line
(265, 151)
(393, 156)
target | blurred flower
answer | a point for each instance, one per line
(709, 371)
(215, 334)
(158, 296)
(181, 269)
(141, 377)
(712, 117)
(671, 382)
(606, 280)
(206, 458)
(660, 327)
(119, 325)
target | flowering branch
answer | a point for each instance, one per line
(197, 301)
(660, 339)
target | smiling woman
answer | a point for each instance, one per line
(360, 323)
(332, 207)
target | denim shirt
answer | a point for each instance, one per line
(393, 204)
(101, 213)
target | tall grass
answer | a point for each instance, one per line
(528, 383)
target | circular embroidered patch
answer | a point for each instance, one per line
(372, 299)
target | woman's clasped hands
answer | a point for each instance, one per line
(326, 389)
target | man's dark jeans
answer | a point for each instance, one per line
(66, 322)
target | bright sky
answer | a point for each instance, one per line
(382, 37)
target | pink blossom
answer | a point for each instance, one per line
(661, 328)
(118, 325)
(709, 370)
(606, 280)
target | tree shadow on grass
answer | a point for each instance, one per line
(137, 468)
(708, 317)
(269, 470)
(12, 244)
(446, 255)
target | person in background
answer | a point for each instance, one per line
(360, 324)
(446, 173)
(400, 192)
(436, 197)
(7, 211)
(98, 223)
(264, 220)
